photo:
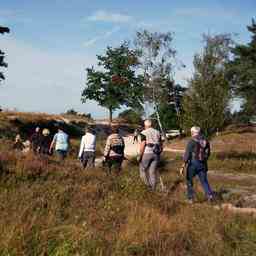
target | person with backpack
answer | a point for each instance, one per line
(61, 142)
(114, 150)
(149, 154)
(87, 148)
(195, 159)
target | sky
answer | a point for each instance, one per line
(52, 42)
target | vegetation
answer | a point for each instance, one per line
(117, 85)
(131, 116)
(49, 208)
(156, 55)
(242, 70)
(2, 54)
(206, 102)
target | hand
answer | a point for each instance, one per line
(181, 171)
(139, 157)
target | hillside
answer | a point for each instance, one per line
(49, 208)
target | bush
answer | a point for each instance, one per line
(131, 116)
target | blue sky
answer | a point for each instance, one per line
(53, 41)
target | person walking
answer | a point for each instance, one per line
(18, 144)
(87, 148)
(61, 142)
(45, 142)
(150, 150)
(114, 150)
(35, 140)
(195, 159)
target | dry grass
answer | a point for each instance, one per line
(48, 208)
(55, 209)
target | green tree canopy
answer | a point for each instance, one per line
(157, 58)
(207, 99)
(116, 83)
(242, 72)
(2, 54)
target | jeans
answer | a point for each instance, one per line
(61, 154)
(88, 159)
(197, 168)
(148, 169)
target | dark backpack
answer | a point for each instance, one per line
(118, 149)
(157, 149)
(201, 150)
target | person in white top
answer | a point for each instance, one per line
(87, 148)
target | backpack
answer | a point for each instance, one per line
(157, 149)
(118, 149)
(201, 151)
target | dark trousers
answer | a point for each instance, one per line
(62, 154)
(200, 169)
(88, 159)
(114, 163)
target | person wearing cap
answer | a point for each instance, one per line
(114, 150)
(87, 148)
(150, 150)
(61, 142)
(35, 140)
(195, 159)
(45, 142)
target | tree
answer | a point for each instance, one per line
(242, 72)
(116, 84)
(206, 101)
(2, 54)
(170, 108)
(156, 56)
(131, 116)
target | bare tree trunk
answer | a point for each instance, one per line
(159, 122)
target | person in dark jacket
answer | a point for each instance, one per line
(45, 142)
(18, 144)
(195, 158)
(35, 140)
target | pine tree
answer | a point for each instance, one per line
(242, 72)
(2, 54)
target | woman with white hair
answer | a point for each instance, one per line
(195, 158)
(149, 155)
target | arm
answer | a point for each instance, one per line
(81, 147)
(142, 147)
(186, 158)
(52, 144)
(107, 147)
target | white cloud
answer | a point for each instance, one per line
(104, 16)
(103, 36)
(38, 80)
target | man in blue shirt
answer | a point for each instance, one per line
(61, 142)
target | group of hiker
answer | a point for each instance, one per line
(149, 151)
(42, 143)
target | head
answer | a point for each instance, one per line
(17, 138)
(114, 129)
(37, 129)
(147, 123)
(195, 131)
(89, 129)
(45, 132)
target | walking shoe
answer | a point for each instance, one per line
(190, 201)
